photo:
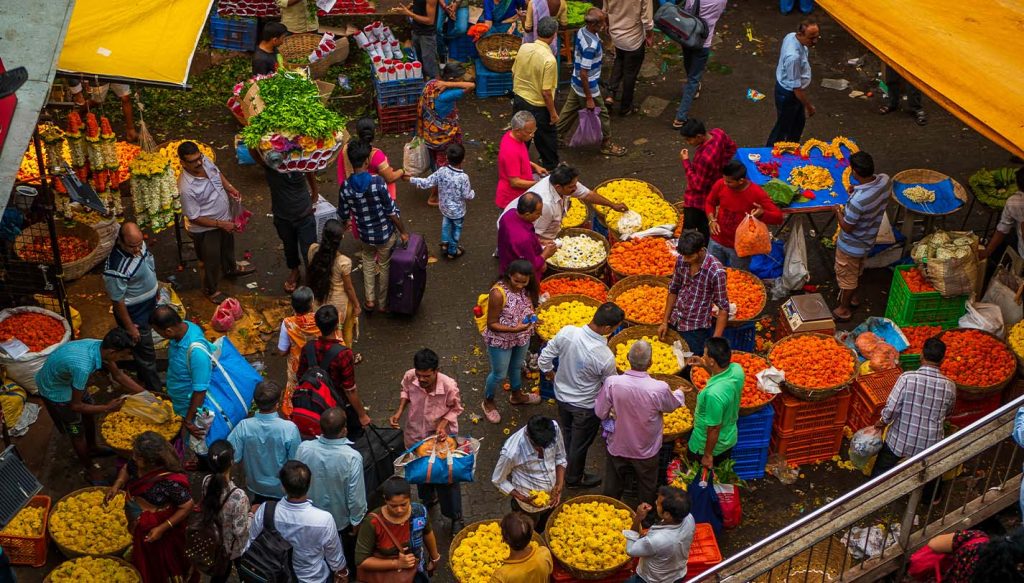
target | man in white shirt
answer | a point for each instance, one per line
(664, 550)
(316, 549)
(533, 459)
(584, 361)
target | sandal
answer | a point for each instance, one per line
(841, 319)
(886, 110)
(240, 271)
(677, 124)
(613, 150)
(920, 117)
(369, 307)
(290, 286)
(217, 297)
(459, 252)
(491, 415)
(531, 399)
(357, 357)
(432, 201)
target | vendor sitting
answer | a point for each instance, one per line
(501, 15)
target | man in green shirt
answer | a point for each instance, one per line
(718, 405)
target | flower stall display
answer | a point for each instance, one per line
(170, 151)
(752, 364)
(976, 359)
(663, 358)
(575, 215)
(588, 535)
(557, 285)
(93, 150)
(480, 553)
(647, 256)
(813, 361)
(154, 191)
(644, 304)
(678, 421)
(54, 145)
(746, 291)
(553, 318)
(578, 252)
(34, 329)
(76, 141)
(641, 198)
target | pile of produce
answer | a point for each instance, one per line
(154, 190)
(811, 177)
(1016, 338)
(752, 364)
(993, 187)
(39, 249)
(35, 330)
(170, 151)
(575, 215)
(916, 281)
(647, 256)
(880, 354)
(781, 193)
(644, 304)
(916, 335)
(976, 359)
(678, 421)
(588, 535)
(480, 554)
(84, 524)
(120, 429)
(813, 361)
(663, 358)
(746, 291)
(28, 522)
(681, 473)
(556, 286)
(86, 569)
(553, 318)
(919, 194)
(540, 498)
(640, 198)
(576, 13)
(769, 169)
(578, 252)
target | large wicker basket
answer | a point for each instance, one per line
(638, 332)
(924, 176)
(71, 554)
(596, 270)
(764, 300)
(689, 393)
(470, 529)
(574, 571)
(602, 211)
(813, 393)
(619, 275)
(297, 47)
(120, 561)
(586, 222)
(562, 299)
(570, 276)
(974, 393)
(635, 281)
(100, 244)
(497, 42)
(744, 411)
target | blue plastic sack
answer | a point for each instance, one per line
(769, 266)
(436, 470)
(588, 133)
(231, 387)
(704, 504)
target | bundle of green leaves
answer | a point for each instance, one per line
(292, 108)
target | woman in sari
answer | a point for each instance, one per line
(154, 481)
(501, 15)
(329, 275)
(379, 165)
(296, 331)
(438, 122)
(538, 9)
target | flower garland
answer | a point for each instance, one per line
(53, 148)
(840, 141)
(780, 148)
(74, 139)
(154, 191)
(824, 147)
(108, 145)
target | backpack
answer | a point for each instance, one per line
(203, 543)
(480, 310)
(269, 558)
(314, 392)
(685, 27)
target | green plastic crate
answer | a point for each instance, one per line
(921, 309)
(910, 362)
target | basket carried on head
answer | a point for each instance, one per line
(296, 48)
(635, 281)
(597, 270)
(925, 176)
(638, 332)
(575, 571)
(470, 529)
(975, 393)
(689, 394)
(498, 42)
(814, 393)
(563, 299)
(69, 553)
(118, 560)
(573, 276)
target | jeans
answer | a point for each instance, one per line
(296, 237)
(695, 339)
(449, 495)
(896, 85)
(579, 429)
(786, 6)
(624, 74)
(451, 233)
(546, 138)
(425, 44)
(695, 61)
(505, 362)
(377, 269)
(728, 256)
(143, 352)
(570, 114)
(789, 123)
(216, 251)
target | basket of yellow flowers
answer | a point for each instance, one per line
(585, 535)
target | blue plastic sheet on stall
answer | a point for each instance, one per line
(787, 162)
(945, 201)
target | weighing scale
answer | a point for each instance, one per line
(806, 313)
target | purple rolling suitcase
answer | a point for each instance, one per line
(408, 279)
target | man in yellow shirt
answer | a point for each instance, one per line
(534, 77)
(525, 563)
(299, 15)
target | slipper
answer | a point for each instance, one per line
(613, 150)
(240, 271)
(678, 124)
(357, 358)
(290, 286)
(12, 80)
(531, 399)
(492, 416)
(921, 118)
(217, 297)
(459, 252)
(433, 202)
(609, 101)
(369, 307)
(841, 319)
(886, 110)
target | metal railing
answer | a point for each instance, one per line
(899, 509)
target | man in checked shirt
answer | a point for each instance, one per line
(698, 283)
(916, 410)
(712, 150)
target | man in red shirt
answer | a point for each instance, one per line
(712, 149)
(730, 199)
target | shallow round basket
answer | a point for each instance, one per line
(974, 393)
(118, 560)
(689, 393)
(924, 176)
(574, 571)
(586, 222)
(618, 275)
(764, 300)
(570, 276)
(299, 46)
(596, 270)
(638, 332)
(470, 529)
(564, 299)
(71, 554)
(496, 42)
(632, 282)
(602, 211)
(809, 393)
(72, 269)
(744, 411)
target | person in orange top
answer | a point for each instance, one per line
(731, 198)
(296, 331)
(525, 563)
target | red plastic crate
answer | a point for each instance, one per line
(397, 120)
(560, 575)
(29, 550)
(792, 414)
(704, 552)
(807, 447)
(868, 396)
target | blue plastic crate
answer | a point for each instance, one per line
(398, 93)
(491, 84)
(743, 337)
(232, 34)
(461, 48)
(755, 430)
(750, 462)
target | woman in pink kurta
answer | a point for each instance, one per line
(365, 129)
(515, 171)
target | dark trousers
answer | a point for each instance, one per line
(143, 352)
(622, 85)
(695, 340)
(896, 86)
(297, 237)
(260, 498)
(223, 578)
(540, 519)
(579, 429)
(216, 250)
(546, 138)
(789, 123)
(887, 460)
(449, 495)
(616, 469)
(695, 218)
(348, 546)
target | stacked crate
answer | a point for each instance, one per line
(397, 103)
(751, 451)
(806, 432)
(869, 394)
(920, 309)
(232, 34)
(461, 48)
(489, 83)
(742, 337)
(704, 551)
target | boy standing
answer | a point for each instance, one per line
(453, 190)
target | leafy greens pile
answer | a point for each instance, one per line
(292, 108)
(993, 187)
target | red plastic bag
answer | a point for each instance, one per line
(752, 237)
(222, 320)
(233, 307)
(588, 132)
(729, 500)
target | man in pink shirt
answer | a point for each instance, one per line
(636, 402)
(515, 170)
(517, 238)
(434, 405)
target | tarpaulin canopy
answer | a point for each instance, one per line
(967, 57)
(150, 41)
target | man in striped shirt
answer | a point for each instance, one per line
(586, 76)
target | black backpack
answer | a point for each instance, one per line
(203, 543)
(686, 28)
(269, 558)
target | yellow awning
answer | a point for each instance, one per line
(145, 40)
(967, 57)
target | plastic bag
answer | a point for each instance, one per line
(864, 445)
(770, 380)
(769, 266)
(203, 420)
(415, 157)
(794, 271)
(866, 342)
(1002, 292)
(147, 407)
(729, 501)
(986, 317)
(629, 223)
(704, 504)
(233, 307)
(222, 320)
(883, 357)
(752, 237)
(588, 132)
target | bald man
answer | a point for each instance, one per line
(130, 278)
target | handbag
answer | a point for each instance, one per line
(686, 28)
(929, 565)
(441, 466)
(396, 576)
(704, 504)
